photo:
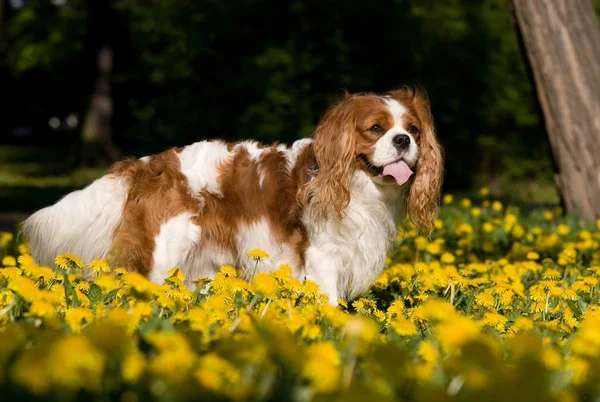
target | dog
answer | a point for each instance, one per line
(328, 206)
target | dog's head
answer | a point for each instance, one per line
(391, 137)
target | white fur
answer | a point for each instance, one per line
(291, 154)
(81, 223)
(176, 238)
(385, 151)
(347, 255)
(259, 235)
(200, 162)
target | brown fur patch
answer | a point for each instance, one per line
(243, 202)
(157, 191)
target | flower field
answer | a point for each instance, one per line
(496, 305)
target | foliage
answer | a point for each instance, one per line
(497, 305)
(187, 70)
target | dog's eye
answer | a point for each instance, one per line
(413, 129)
(376, 128)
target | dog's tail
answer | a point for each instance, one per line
(81, 223)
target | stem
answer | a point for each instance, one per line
(547, 300)
(349, 366)
(265, 310)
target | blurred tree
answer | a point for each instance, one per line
(562, 42)
(186, 70)
(97, 147)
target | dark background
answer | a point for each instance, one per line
(186, 70)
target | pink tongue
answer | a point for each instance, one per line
(399, 170)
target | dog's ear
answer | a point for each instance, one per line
(424, 194)
(334, 147)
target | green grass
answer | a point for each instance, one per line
(31, 178)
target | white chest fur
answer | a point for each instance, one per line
(347, 255)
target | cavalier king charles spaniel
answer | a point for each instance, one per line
(329, 206)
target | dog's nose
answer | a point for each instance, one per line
(401, 141)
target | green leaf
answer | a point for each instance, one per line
(95, 295)
(108, 297)
(70, 291)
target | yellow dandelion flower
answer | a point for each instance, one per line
(563, 229)
(448, 258)
(433, 248)
(427, 351)
(133, 367)
(258, 254)
(485, 299)
(77, 317)
(217, 374)
(494, 320)
(380, 315)
(448, 199)
(488, 227)
(229, 271)
(476, 212)
(266, 284)
(497, 206)
(454, 333)
(99, 266)
(68, 261)
(41, 309)
(552, 274)
(484, 191)
(466, 203)
(532, 255)
(9, 261)
(176, 275)
(323, 367)
(403, 327)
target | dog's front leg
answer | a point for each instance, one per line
(322, 268)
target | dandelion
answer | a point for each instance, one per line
(563, 229)
(266, 284)
(448, 258)
(258, 254)
(99, 266)
(484, 191)
(497, 206)
(403, 327)
(41, 309)
(9, 261)
(68, 261)
(229, 271)
(532, 255)
(133, 367)
(5, 238)
(77, 317)
(323, 367)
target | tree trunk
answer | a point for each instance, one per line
(562, 43)
(97, 147)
